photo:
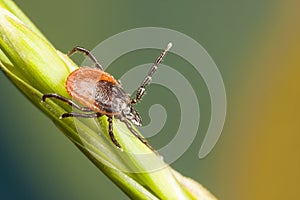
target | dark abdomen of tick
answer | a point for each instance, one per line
(110, 97)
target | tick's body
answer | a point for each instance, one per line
(101, 94)
(98, 91)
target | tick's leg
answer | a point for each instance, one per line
(110, 131)
(143, 140)
(83, 115)
(141, 90)
(64, 99)
(87, 53)
(95, 115)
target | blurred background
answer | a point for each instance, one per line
(256, 46)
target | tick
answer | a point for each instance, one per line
(100, 94)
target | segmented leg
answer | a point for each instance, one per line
(87, 53)
(83, 115)
(64, 99)
(141, 90)
(95, 115)
(110, 131)
(143, 140)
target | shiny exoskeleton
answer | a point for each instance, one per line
(101, 94)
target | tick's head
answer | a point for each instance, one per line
(132, 115)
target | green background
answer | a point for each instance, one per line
(256, 46)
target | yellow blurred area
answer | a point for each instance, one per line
(265, 124)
